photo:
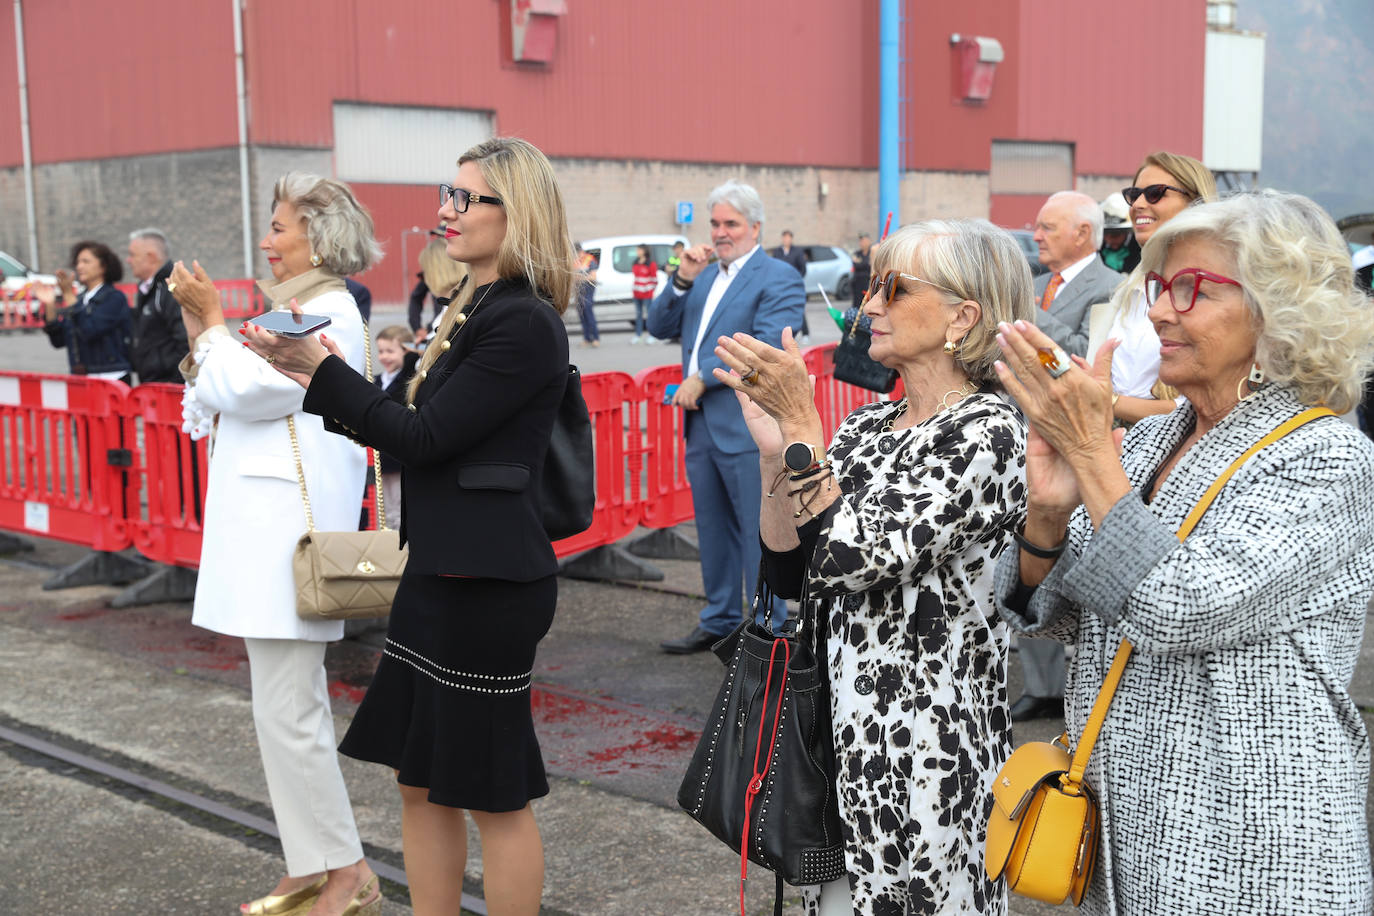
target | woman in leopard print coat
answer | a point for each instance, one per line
(893, 532)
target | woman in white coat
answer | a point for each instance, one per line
(254, 516)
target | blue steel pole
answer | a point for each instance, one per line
(889, 116)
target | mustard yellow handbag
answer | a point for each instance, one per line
(1044, 830)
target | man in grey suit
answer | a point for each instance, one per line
(743, 290)
(1068, 231)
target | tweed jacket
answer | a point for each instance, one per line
(1233, 764)
(1068, 318)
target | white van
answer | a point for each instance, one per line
(614, 300)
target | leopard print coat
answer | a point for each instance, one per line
(903, 569)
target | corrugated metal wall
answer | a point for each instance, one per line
(117, 79)
(774, 81)
(11, 146)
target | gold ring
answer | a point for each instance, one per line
(270, 358)
(171, 287)
(1055, 361)
(748, 377)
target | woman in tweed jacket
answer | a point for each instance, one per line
(1233, 764)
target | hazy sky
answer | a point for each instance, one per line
(1318, 98)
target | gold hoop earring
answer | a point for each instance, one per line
(1251, 383)
(316, 260)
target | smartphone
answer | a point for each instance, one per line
(284, 324)
(668, 392)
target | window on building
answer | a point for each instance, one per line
(393, 144)
(1022, 167)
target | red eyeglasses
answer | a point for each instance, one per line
(1183, 287)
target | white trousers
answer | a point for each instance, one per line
(296, 738)
(835, 899)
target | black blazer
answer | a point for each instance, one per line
(397, 392)
(473, 450)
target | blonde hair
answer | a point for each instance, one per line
(1191, 175)
(537, 246)
(1314, 332)
(338, 227)
(442, 274)
(1197, 180)
(975, 260)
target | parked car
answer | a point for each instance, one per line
(614, 281)
(18, 277)
(1026, 239)
(829, 267)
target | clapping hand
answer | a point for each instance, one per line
(297, 358)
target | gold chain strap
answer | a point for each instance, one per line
(376, 455)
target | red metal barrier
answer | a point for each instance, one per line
(91, 462)
(612, 400)
(240, 299)
(668, 495)
(835, 399)
(65, 444)
(20, 311)
(170, 472)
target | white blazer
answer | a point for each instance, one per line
(253, 512)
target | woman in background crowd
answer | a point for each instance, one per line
(94, 326)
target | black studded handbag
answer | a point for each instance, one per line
(852, 362)
(762, 779)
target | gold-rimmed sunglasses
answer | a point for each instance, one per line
(887, 285)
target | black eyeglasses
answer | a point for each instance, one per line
(462, 197)
(1152, 194)
(1183, 288)
(886, 284)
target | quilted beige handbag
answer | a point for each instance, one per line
(343, 575)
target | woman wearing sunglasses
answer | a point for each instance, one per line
(449, 706)
(1232, 767)
(892, 532)
(1164, 186)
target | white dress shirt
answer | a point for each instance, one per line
(1135, 364)
(724, 278)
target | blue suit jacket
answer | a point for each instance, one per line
(766, 297)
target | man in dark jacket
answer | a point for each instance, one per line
(790, 254)
(159, 337)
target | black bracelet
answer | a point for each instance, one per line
(1035, 550)
(679, 283)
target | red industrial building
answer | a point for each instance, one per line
(132, 114)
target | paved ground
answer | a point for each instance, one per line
(143, 691)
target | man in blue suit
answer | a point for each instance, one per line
(745, 290)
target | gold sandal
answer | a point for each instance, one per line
(286, 904)
(357, 906)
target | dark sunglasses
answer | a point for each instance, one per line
(461, 198)
(1152, 194)
(1182, 288)
(887, 286)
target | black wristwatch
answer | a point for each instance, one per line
(800, 457)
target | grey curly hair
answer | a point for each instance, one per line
(1314, 326)
(339, 228)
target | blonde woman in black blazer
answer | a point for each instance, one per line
(449, 706)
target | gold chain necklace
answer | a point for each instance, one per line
(958, 394)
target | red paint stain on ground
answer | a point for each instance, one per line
(340, 690)
(603, 740)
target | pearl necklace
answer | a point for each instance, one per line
(958, 394)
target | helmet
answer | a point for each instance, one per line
(1115, 213)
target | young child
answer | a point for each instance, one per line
(398, 361)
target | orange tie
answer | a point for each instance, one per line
(1056, 281)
